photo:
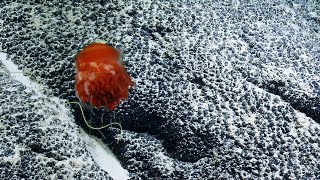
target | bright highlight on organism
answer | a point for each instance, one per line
(101, 78)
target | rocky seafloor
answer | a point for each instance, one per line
(227, 89)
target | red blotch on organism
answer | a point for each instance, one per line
(101, 78)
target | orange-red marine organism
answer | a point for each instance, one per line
(101, 78)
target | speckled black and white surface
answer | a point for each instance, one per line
(227, 89)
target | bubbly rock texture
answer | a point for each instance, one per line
(225, 89)
(39, 139)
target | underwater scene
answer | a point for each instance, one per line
(152, 90)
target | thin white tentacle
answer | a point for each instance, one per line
(91, 127)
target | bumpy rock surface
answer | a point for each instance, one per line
(222, 90)
(38, 138)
